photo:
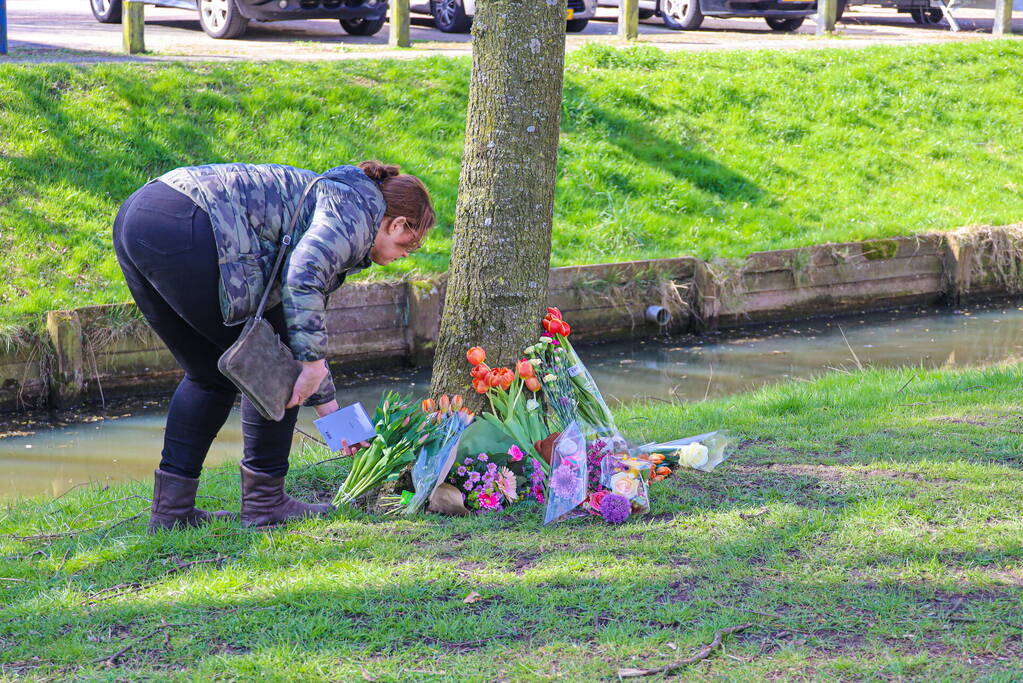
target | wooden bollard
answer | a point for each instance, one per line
(68, 377)
(134, 21)
(628, 19)
(1003, 18)
(399, 20)
(827, 10)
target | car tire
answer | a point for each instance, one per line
(576, 25)
(449, 16)
(681, 15)
(646, 13)
(221, 19)
(106, 11)
(363, 26)
(784, 23)
(927, 16)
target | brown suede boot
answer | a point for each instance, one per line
(264, 502)
(174, 503)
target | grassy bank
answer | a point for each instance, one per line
(715, 154)
(868, 527)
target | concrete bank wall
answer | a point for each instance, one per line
(99, 352)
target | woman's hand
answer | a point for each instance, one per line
(352, 450)
(308, 382)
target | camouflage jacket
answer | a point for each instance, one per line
(249, 207)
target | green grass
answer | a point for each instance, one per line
(715, 154)
(890, 548)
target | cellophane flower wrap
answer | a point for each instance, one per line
(568, 385)
(436, 457)
(703, 452)
(566, 486)
(626, 475)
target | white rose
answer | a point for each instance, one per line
(693, 455)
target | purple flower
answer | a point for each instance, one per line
(563, 401)
(482, 457)
(563, 482)
(468, 485)
(491, 467)
(468, 460)
(462, 471)
(516, 453)
(474, 477)
(615, 509)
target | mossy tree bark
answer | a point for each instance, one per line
(500, 256)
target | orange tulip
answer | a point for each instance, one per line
(476, 355)
(429, 405)
(501, 377)
(533, 384)
(481, 385)
(664, 471)
(525, 369)
(480, 371)
(444, 403)
(657, 458)
(457, 402)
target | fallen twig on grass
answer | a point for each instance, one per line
(704, 652)
(753, 515)
(309, 436)
(108, 502)
(112, 659)
(4, 578)
(136, 587)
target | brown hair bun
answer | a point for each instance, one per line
(405, 195)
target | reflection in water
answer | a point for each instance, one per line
(50, 462)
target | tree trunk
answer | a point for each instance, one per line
(501, 251)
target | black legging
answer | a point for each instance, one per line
(166, 249)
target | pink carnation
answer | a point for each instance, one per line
(489, 501)
(516, 453)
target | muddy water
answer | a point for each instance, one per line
(50, 462)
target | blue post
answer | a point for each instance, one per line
(3, 27)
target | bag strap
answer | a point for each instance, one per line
(285, 241)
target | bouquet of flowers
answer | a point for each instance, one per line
(515, 409)
(703, 452)
(401, 429)
(567, 374)
(448, 418)
(566, 489)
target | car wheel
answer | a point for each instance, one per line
(681, 15)
(927, 16)
(646, 13)
(221, 19)
(783, 23)
(576, 25)
(449, 15)
(106, 11)
(363, 26)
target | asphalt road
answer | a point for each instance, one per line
(65, 30)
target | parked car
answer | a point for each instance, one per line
(455, 16)
(687, 15)
(230, 18)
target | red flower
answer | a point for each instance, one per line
(554, 313)
(533, 384)
(557, 326)
(525, 369)
(595, 500)
(481, 385)
(476, 355)
(505, 377)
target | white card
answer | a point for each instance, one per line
(350, 424)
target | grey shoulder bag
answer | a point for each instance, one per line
(259, 363)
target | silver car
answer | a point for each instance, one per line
(687, 15)
(455, 16)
